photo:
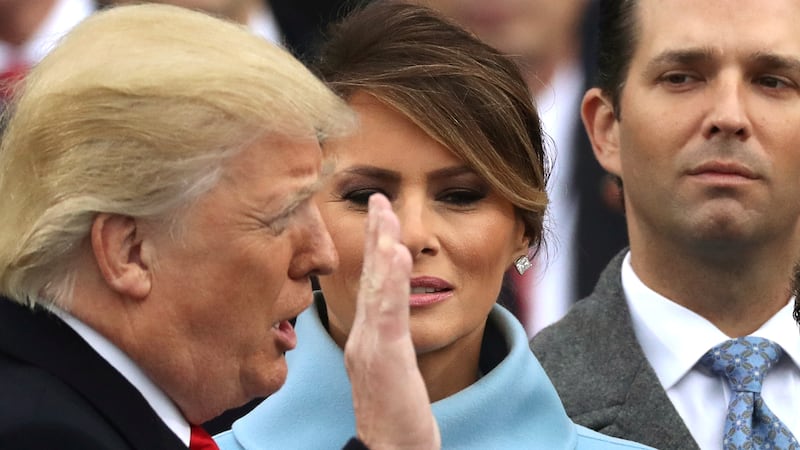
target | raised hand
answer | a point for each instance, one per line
(391, 402)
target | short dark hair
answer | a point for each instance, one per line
(617, 42)
(796, 292)
(463, 93)
(797, 308)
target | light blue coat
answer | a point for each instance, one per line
(514, 406)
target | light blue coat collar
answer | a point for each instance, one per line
(513, 406)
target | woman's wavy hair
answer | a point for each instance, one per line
(459, 90)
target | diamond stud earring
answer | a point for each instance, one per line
(522, 264)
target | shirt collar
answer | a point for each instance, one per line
(158, 400)
(660, 326)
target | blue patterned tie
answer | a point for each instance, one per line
(749, 424)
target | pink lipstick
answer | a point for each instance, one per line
(429, 290)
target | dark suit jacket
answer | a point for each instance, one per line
(601, 373)
(56, 392)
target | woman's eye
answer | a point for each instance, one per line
(359, 197)
(461, 197)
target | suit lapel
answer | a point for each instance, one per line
(645, 412)
(601, 373)
(41, 339)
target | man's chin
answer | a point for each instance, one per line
(268, 380)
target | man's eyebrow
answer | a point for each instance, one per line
(296, 198)
(774, 61)
(328, 167)
(685, 56)
(691, 56)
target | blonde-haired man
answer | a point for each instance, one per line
(157, 237)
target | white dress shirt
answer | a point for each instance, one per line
(157, 399)
(674, 339)
(263, 23)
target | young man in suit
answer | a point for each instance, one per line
(697, 113)
(158, 235)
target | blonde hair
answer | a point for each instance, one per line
(134, 113)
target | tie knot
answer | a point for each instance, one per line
(201, 440)
(743, 361)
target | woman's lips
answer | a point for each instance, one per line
(429, 290)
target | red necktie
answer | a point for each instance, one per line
(201, 440)
(9, 77)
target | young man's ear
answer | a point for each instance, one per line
(117, 248)
(602, 126)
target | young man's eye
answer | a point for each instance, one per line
(772, 82)
(677, 78)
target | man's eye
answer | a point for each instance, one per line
(677, 78)
(772, 82)
(277, 225)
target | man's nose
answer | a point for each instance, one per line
(727, 112)
(317, 254)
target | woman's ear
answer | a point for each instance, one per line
(602, 127)
(117, 248)
(523, 247)
(523, 242)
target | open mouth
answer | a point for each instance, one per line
(427, 290)
(285, 335)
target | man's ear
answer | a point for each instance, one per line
(117, 248)
(602, 126)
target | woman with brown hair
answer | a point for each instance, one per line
(449, 134)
